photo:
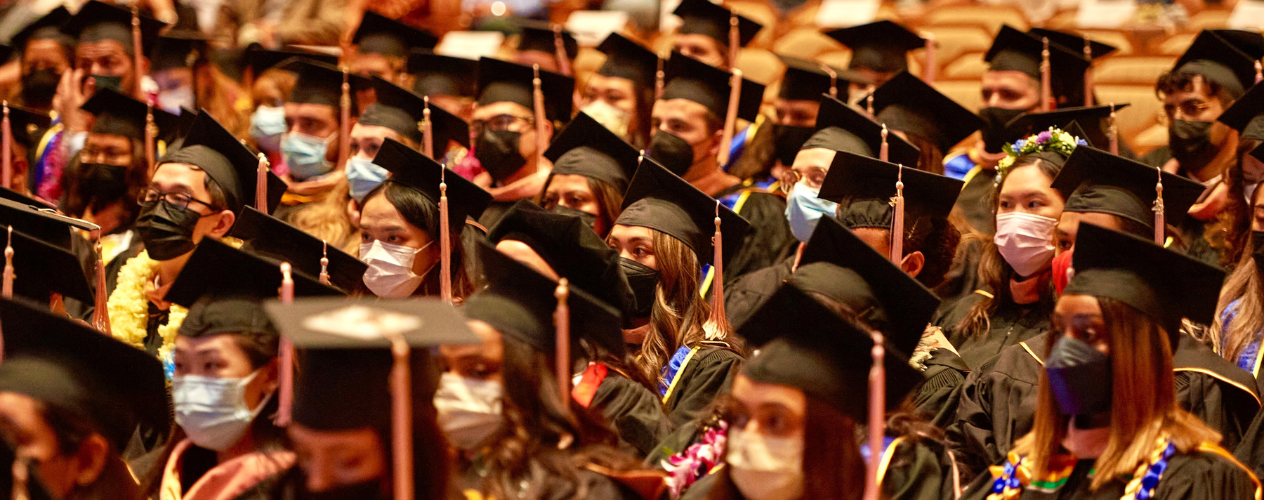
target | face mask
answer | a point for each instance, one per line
(589, 219)
(213, 411)
(614, 119)
(114, 83)
(167, 232)
(39, 86)
(1079, 376)
(172, 100)
(1062, 271)
(305, 155)
(994, 131)
(765, 468)
(804, 210)
(1190, 142)
(390, 273)
(673, 152)
(497, 151)
(1025, 241)
(266, 126)
(102, 182)
(788, 140)
(362, 176)
(367, 490)
(643, 280)
(469, 410)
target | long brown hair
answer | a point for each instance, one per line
(1231, 231)
(1143, 407)
(1245, 286)
(679, 311)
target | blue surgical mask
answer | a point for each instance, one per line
(305, 155)
(266, 126)
(212, 411)
(804, 210)
(363, 176)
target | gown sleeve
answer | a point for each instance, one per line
(635, 413)
(997, 406)
(937, 398)
(1204, 476)
(707, 376)
(1215, 390)
(919, 469)
(769, 239)
(744, 296)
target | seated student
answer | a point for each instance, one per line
(45, 53)
(383, 45)
(187, 78)
(1107, 423)
(72, 399)
(1247, 117)
(591, 170)
(704, 32)
(1236, 331)
(450, 82)
(925, 117)
(269, 91)
(879, 52)
(619, 95)
(26, 126)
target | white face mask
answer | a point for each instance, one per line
(614, 119)
(469, 410)
(212, 411)
(765, 468)
(390, 273)
(172, 100)
(1025, 241)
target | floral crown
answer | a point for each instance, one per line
(1055, 140)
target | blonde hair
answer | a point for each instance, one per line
(679, 310)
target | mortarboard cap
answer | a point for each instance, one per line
(1072, 42)
(118, 114)
(842, 128)
(320, 83)
(702, 17)
(259, 60)
(41, 222)
(435, 74)
(24, 123)
(1013, 50)
(1218, 60)
(271, 237)
(661, 200)
(98, 21)
(807, 80)
(232, 165)
(41, 268)
(402, 111)
(1095, 181)
(587, 148)
(1160, 283)
(47, 27)
(863, 188)
(628, 59)
(691, 79)
(179, 49)
(539, 36)
(415, 170)
(379, 34)
(908, 104)
(1246, 115)
(67, 364)
(500, 81)
(1092, 119)
(880, 46)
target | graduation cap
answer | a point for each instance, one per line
(379, 34)
(1092, 119)
(44, 28)
(66, 364)
(24, 122)
(1218, 60)
(806, 80)
(1013, 50)
(403, 111)
(880, 46)
(661, 200)
(271, 237)
(179, 49)
(702, 17)
(863, 188)
(628, 59)
(435, 74)
(908, 104)
(1095, 181)
(98, 21)
(539, 36)
(346, 354)
(840, 127)
(40, 222)
(1073, 42)
(570, 247)
(500, 81)
(320, 83)
(1162, 284)
(41, 268)
(1246, 115)
(587, 148)
(259, 60)
(519, 302)
(118, 114)
(694, 80)
(415, 170)
(232, 165)
(820, 353)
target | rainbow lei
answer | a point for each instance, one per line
(1054, 139)
(1015, 476)
(1148, 474)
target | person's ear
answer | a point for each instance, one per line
(90, 459)
(717, 139)
(913, 264)
(353, 213)
(224, 224)
(271, 375)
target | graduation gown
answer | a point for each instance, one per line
(937, 398)
(769, 239)
(745, 295)
(918, 469)
(706, 374)
(633, 411)
(1010, 324)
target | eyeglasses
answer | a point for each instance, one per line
(814, 177)
(500, 123)
(175, 200)
(87, 155)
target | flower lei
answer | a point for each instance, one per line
(685, 468)
(1054, 139)
(1011, 479)
(129, 307)
(1148, 474)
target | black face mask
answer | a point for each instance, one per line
(102, 183)
(166, 231)
(672, 152)
(788, 139)
(1080, 377)
(367, 490)
(114, 83)
(589, 219)
(1190, 142)
(39, 86)
(994, 131)
(643, 281)
(497, 151)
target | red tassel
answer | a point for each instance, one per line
(402, 418)
(897, 220)
(324, 262)
(261, 185)
(660, 78)
(562, 320)
(101, 312)
(1046, 85)
(877, 416)
(1088, 75)
(928, 73)
(883, 151)
(718, 321)
(344, 135)
(6, 149)
(285, 403)
(735, 39)
(427, 134)
(138, 53)
(537, 101)
(833, 88)
(559, 49)
(445, 241)
(1159, 224)
(151, 136)
(730, 118)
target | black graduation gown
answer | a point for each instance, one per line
(494, 211)
(973, 204)
(750, 291)
(1010, 324)
(918, 469)
(705, 376)
(936, 399)
(769, 239)
(633, 411)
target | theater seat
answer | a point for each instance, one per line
(1132, 70)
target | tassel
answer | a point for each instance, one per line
(877, 414)
(151, 135)
(833, 88)
(261, 184)
(718, 321)
(427, 132)
(883, 151)
(285, 399)
(1113, 132)
(1046, 85)
(735, 39)
(1259, 71)
(928, 73)
(138, 54)
(445, 241)
(869, 102)
(1088, 74)
(562, 321)
(6, 149)
(660, 78)
(730, 118)
(897, 220)
(1159, 224)
(401, 418)
(344, 135)
(7, 290)
(537, 101)
(324, 262)
(559, 50)
(101, 312)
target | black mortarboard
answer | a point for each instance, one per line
(1095, 181)
(379, 34)
(41, 222)
(415, 170)
(842, 128)
(519, 302)
(1013, 50)
(628, 59)
(271, 237)
(820, 353)
(1073, 42)
(1218, 60)
(67, 364)
(41, 268)
(880, 46)
(232, 165)
(319, 83)
(906, 304)
(539, 36)
(403, 111)
(587, 148)
(97, 21)
(25, 122)
(47, 27)
(702, 17)
(1162, 284)
(346, 358)
(179, 49)
(434, 74)
(21, 199)
(500, 81)
(661, 200)
(1246, 115)
(908, 104)
(694, 80)
(806, 80)
(1093, 119)
(1250, 42)
(863, 188)
(259, 60)
(118, 114)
